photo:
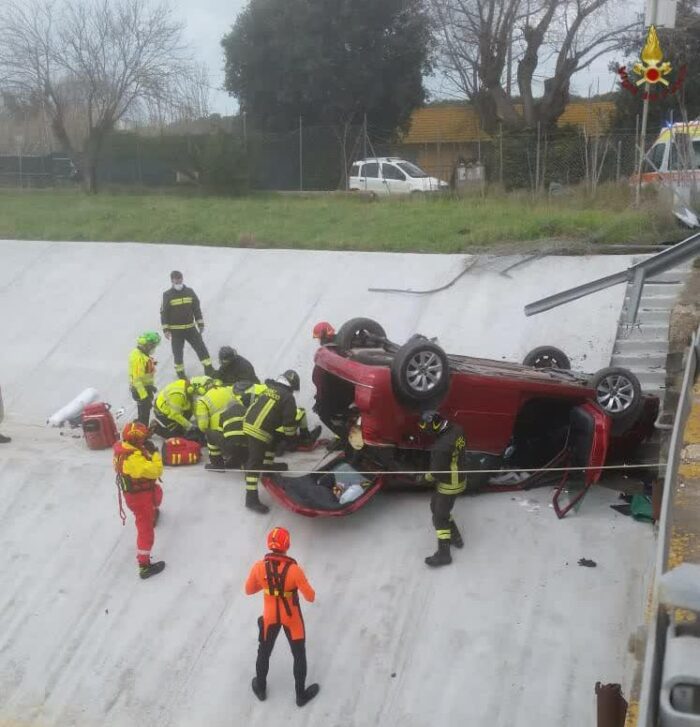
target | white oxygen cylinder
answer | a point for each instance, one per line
(73, 408)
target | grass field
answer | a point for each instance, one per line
(327, 221)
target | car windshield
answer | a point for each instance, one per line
(411, 169)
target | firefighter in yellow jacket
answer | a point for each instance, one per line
(174, 408)
(142, 367)
(208, 411)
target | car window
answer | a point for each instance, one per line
(413, 170)
(371, 169)
(684, 153)
(355, 169)
(389, 171)
(656, 157)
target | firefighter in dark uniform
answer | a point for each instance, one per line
(273, 408)
(234, 368)
(181, 319)
(447, 466)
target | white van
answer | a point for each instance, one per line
(391, 176)
(674, 158)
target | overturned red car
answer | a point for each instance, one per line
(526, 424)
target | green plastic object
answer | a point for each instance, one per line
(641, 508)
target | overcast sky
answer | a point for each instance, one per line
(207, 21)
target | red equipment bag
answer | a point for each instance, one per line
(98, 426)
(178, 451)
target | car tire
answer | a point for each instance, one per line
(420, 373)
(356, 333)
(547, 357)
(618, 393)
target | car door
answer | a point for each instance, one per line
(355, 179)
(373, 182)
(394, 179)
(589, 434)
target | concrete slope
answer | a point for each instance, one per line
(514, 634)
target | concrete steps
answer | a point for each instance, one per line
(643, 347)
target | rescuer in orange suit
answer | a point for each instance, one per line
(281, 579)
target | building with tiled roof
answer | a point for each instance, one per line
(439, 134)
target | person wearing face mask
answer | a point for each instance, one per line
(181, 318)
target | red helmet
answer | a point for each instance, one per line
(324, 331)
(135, 433)
(278, 540)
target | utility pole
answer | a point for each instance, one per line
(301, 155)
(364, 137)
(653, 8)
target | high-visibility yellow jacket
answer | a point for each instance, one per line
(209, 407)
(174, 403)
(141, 372)
(138, 469)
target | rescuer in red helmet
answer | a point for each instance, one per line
(138, 465)
(281, 579)
(324, 333)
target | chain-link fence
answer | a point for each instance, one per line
(319, 158)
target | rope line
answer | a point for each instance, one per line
(461, 472)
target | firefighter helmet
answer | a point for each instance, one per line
(199, 385)
(149, 338)
(278, 540)
(291, 379)
(135, 433)
(324, 332)
(432, 422)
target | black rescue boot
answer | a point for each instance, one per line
(252, 502)
(307, 695)
(457, 540)
(259, 690)
(4, 439)
(216, 463)
(441, 556)
(275, 467)
(152, 569)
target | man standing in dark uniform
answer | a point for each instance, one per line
(447, 472)
(181, 318)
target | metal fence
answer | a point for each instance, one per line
(319, 158)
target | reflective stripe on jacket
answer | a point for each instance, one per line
(274, 407)
(141, 372)
(174, 403)
(180, 309)
(448, 461)
(209, 407)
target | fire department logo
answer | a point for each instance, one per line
(652, 72)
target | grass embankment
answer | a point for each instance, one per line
(326, 221)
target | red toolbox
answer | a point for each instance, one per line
(98, 426)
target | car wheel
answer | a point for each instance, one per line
(420, 373)
(547, 357)
(357, 333)
(618, 393)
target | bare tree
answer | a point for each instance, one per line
(478, 39)
(91, 62)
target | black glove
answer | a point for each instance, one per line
(149, 446)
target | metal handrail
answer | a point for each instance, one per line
(656, 635)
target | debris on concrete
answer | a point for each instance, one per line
(587, 563)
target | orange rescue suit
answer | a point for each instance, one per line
(281, 605)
